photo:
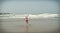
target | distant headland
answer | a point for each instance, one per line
(5, 13)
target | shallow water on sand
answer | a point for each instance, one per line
(18, 25)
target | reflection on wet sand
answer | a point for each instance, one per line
(26, 29)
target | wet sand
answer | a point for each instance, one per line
(18, 25)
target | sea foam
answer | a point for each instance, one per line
(45, 15)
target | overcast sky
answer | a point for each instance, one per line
(30, 7)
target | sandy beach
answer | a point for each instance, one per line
(18, 25)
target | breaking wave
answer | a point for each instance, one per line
(45, 15)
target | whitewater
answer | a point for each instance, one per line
(32, 16)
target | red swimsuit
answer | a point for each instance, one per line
(26, 20)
